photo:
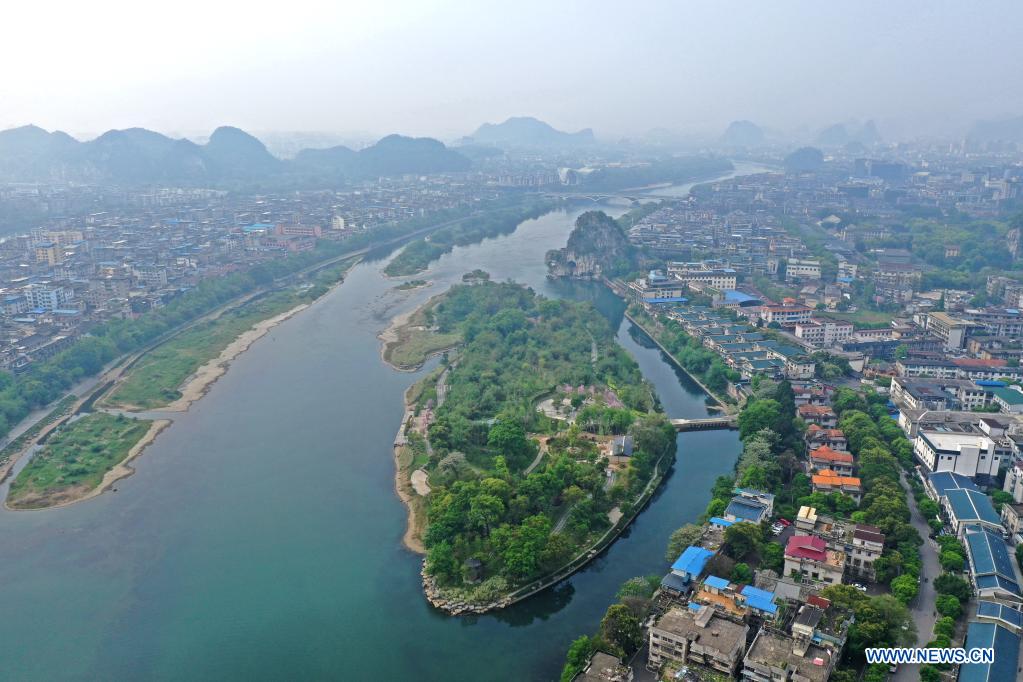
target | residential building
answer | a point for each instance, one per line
(827, 481)
(823, 332)
(821, 415)
(604, 668)
(785, 315)
(950, 330)
(702, 637)
(825, 458)
(703, 275)
(809, 557)
(799, 269)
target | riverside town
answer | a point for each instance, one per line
(381, 343)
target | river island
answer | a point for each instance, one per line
(531, 446)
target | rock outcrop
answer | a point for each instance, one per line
(596, 248)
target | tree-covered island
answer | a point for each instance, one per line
(536, 441)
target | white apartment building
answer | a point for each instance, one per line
(824, 333)
(797, 268)
(969, 454)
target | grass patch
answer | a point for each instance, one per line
(864, 318)
(416, 340)
(75, 459)
(157, 377)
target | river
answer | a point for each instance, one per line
(260, 537)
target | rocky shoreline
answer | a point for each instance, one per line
(453, 606)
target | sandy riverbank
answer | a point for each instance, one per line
(401, 330)
(200, 383)
(76, 494)
(403, 486)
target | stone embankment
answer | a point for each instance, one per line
(453, 605)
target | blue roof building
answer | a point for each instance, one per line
(1006, 645)
(760, 600)
(718, 521)
(940, 482)
(716, 582)
(745, 509)
(1000, 614)
(970, 507)
(690, 563)
(990, 565)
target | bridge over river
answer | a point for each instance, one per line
(728, 421)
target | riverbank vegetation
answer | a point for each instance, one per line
(75, 459)
(417, 338)
(46, 381)
(156, 378)
(503, 511)
(418, 255)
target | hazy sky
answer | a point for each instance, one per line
(437, 67)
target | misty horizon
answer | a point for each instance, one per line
(916, 69)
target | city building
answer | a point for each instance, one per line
(701, 637)
(809, 557)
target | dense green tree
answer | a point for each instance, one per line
(681, 538)
(621, 628)
(742, 540)
(904, 588)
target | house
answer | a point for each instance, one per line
(828, 481)
(805, 655)
(701, 637)
(1014, 480)
(825, 458)
(817, 436)
(861, 544)
(620, 449)
(821, 415)
(749, 505)
(1012, 520)
(604, 668)
(809, 557)
(991, 570)
(1009, 399)
(686, 569)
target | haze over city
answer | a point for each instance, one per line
(584, 341)
(442, 68)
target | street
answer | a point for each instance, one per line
(922, 608)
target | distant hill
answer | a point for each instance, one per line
(392, 155)
(743, 134)
(839, 135)
(231, 157)
(804, 159)
(525, 131)
(1002, 130)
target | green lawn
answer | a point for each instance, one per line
(864, 318)
(156, 378)
(416, 346)
(75, 459)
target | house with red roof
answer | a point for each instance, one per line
(828, 458)
(808, 556)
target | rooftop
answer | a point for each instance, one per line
(1006, 645)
